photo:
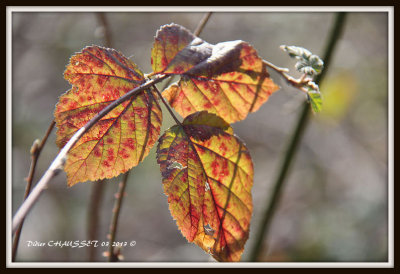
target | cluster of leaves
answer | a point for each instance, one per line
(207, 170)
(311, 65)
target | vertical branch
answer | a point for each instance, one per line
(35, 153)
(113, 256)
(93, 222)
(97, 187)
(271, 206)
(101, 17)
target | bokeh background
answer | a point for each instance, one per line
(335, 201)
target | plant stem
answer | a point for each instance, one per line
(167, 106)
(112, 257)
(101, 16)
(35, 153)
(93, 215)
(270, 207)
(202, 24)
(60, 159)
(297, 83)
(98, 187)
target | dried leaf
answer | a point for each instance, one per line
(208, 175)
(121, 139)
(228, 79)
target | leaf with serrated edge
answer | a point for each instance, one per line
(228, 79)
(122, 138)
(208, 175)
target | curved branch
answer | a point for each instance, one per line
(60, 159)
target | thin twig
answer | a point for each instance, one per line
(202, 24)
(293, 144)
(112, 256)
(297, 83)
(97, 187)
(93, 216)
(101, 17)
(167, 106)
(60, 159)
(36, 149)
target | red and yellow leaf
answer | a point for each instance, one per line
(122, 138)
(228, 79)
(208, 175)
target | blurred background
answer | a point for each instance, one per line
(334, 205)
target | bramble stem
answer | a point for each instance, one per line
(102, 18)
(36, 149)
(202, 24)
(297, 83)
(167, 106)
(94, 207)
(271, 206)
(60, 159)
(113, 257)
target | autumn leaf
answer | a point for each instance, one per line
(122, 138)
(208, 175)
(228, 79)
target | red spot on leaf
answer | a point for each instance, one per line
(224, 172)
(215, 168)
(100, 80)
(223, 149)
(164, 62)
(97, 152)
(130, 143)
(131, 125)
(73, 105)
(207, 105)
(124, 154)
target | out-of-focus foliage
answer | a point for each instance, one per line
(340, 89)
